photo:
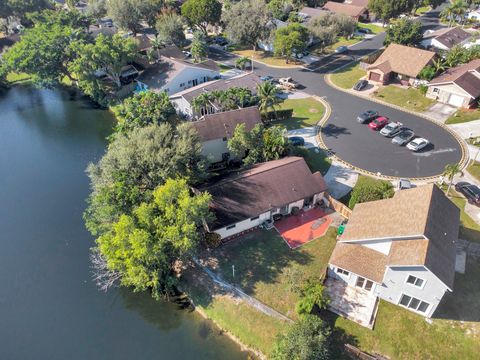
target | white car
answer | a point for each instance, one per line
(417, 144)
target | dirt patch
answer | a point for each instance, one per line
(313, 111)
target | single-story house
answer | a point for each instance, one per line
(247, 199)
(356, 12)
(458, 86)
(175, 75)
(399, 62)
(401, 250)
(445, 39)
(182, 101)
(216, 129)
(273, 25)
(474, 15)
(309, 13)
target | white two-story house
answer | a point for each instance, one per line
(401, 250)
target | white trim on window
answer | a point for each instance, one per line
(342, 272)
(415, 281)
(414, 304)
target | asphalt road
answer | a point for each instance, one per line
(356, 143)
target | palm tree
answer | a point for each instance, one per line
(157, 44)
(450, 171)
(242, 62)
(438, 65)
(456, 9)
(267, 95)
(202, 101)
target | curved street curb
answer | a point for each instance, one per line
(463, 161)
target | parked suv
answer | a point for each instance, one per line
(471, 192)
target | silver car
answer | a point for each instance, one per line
(391, 129)
(403, 137)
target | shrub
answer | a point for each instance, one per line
(423, 89)
(279, 115)
(369, 189)
(312, 295)
(212, 240)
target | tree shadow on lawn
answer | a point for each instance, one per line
(259, 256)
(463, 303)
(339, 338)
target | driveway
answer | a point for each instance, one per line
(440, 112)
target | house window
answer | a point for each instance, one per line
(413, 280)
(224, 139)
(182, 84)
(342, 272)
(254, 218)
(436, 90)
(413, 303)
(189, 81)
(364, 283)
(231, 226)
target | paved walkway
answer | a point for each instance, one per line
(340, 180)
(467, 129)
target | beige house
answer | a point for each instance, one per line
(459, 86)
(401, 250)
(401, 63)
(215, 130)
(357, 12)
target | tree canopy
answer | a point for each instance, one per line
(404, 32)
(201, 13)
(169, 26)
(307, 339)
(247, 22)
(260, 144)
(144, 246)
(143, 109)
(128, 14)
(199, 46)
(290, 39)
(135, 164)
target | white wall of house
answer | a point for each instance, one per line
(188, 78)
(395, 284)
(449, 94)
(474, 15)
(214, 149)
(350, 279)
(181, 105)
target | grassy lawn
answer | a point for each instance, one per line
(348, 76)
(262, 262)
(267, 58)
(13, 77)
(306, 112)
(224, 68)
(341, 41)
(422, 10)
(316, 160)
(474, 170)
(464, 115)
(410, 98)
(375, 28)
(469, 229)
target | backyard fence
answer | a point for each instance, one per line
(340, 208)
(357, 354)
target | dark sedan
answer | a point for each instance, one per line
(367, 116)
(296, 140)
(471, 192)
(360, 85)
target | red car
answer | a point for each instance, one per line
(378, 123)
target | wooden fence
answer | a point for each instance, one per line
(339, 207)
(357, 354)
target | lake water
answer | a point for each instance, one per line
(49, 306)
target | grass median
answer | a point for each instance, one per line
(348, 76)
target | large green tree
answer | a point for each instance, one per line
(201, 13)
(44, 51)
(247, 22)
(169, 26)
(143, 109)
(143, 247)
(388, 9)
(404, 32)
(21, 8)
(128, 14)
(135, 164)
(199, 47)
(290, 39)
(107, 54)
(97, 9)
(259, 144)
(307, 339)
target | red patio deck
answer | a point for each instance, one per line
(304, 227)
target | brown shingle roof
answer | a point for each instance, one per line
(463, 77)
(363, 3)
(345, 9)
(404, 60)
(411, 215)
(449, 37)
(312, 12)
(265, 186)
(220, 125)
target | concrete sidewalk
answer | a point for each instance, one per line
(340, 180)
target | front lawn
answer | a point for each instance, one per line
(264, 264)
(411, 98)
(267, 58)
(376, 29)
(341, 41)
(348, 76)
(463, 115)
(316, 160)
(474, 170)
(306, 112)
(469, 229)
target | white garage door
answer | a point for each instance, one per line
(456, 100)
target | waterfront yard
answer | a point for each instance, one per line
(306, 112)
(410, 98)
(348, 76)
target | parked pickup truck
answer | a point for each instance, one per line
(288, 83)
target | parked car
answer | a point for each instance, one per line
(220, 40)
(403, 137)
(266, 78)
(392, 129)
(471, 192)
(288, 83)
(404, 184)
(365, 30)
(187, 53)
(360, 85)
(367, 116)
(296, 140)
(341, 49)
(298, 55)
(378, 123)
(417, 144)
